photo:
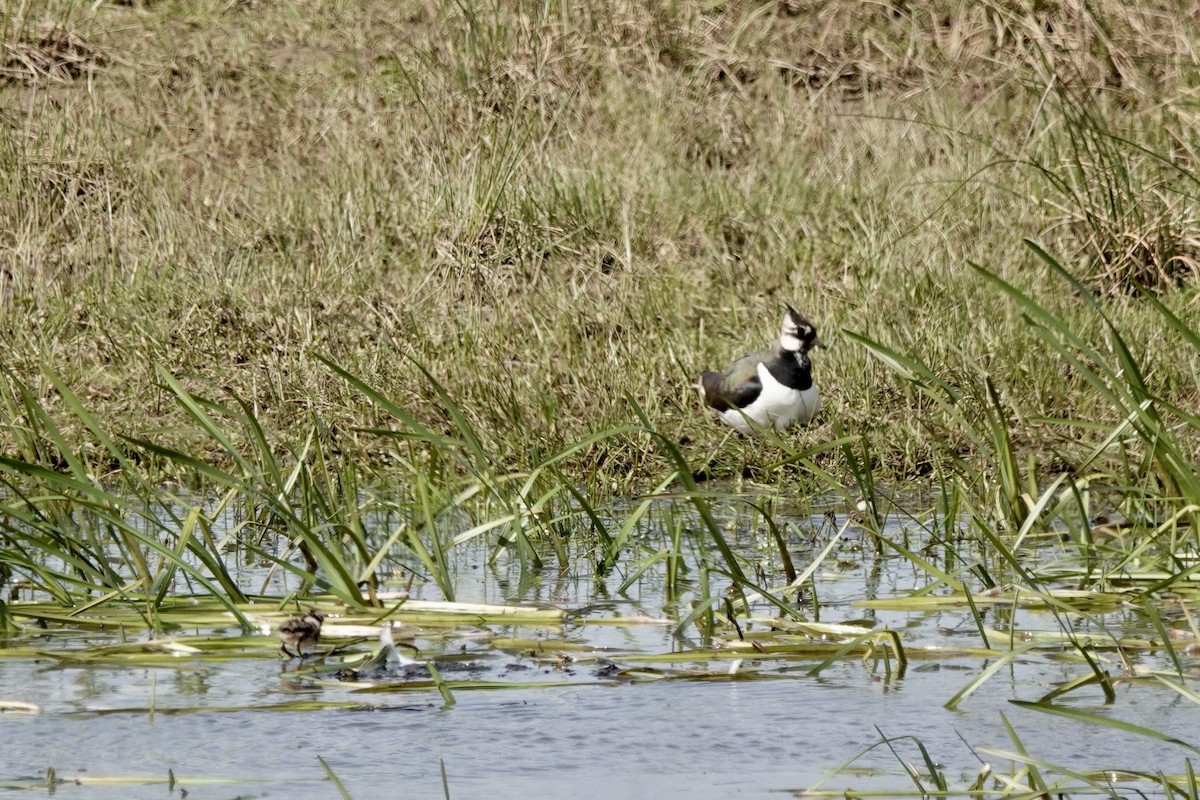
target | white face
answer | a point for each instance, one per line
(794, 332)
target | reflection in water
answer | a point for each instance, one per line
(608, 736)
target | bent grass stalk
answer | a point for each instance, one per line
(999, 486)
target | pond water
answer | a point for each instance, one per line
(604, 719)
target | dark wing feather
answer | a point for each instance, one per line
(736, 386)
(744, 393)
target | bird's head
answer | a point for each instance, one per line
(797, 334)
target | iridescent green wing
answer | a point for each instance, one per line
(740, 384)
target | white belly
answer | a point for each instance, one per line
(778, 406)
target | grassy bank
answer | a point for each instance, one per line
(557, 208)
(385, 279)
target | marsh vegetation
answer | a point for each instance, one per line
(347, 289)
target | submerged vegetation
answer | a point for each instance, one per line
(382, 281)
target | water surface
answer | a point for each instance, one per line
(584, 728)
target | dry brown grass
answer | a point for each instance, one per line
(551, 206)
(52, 55)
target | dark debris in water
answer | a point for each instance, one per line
(412, 672)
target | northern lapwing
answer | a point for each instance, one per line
(774, 388)
(299, 636)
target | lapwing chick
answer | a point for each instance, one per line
(774, 387)
(299, 636)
